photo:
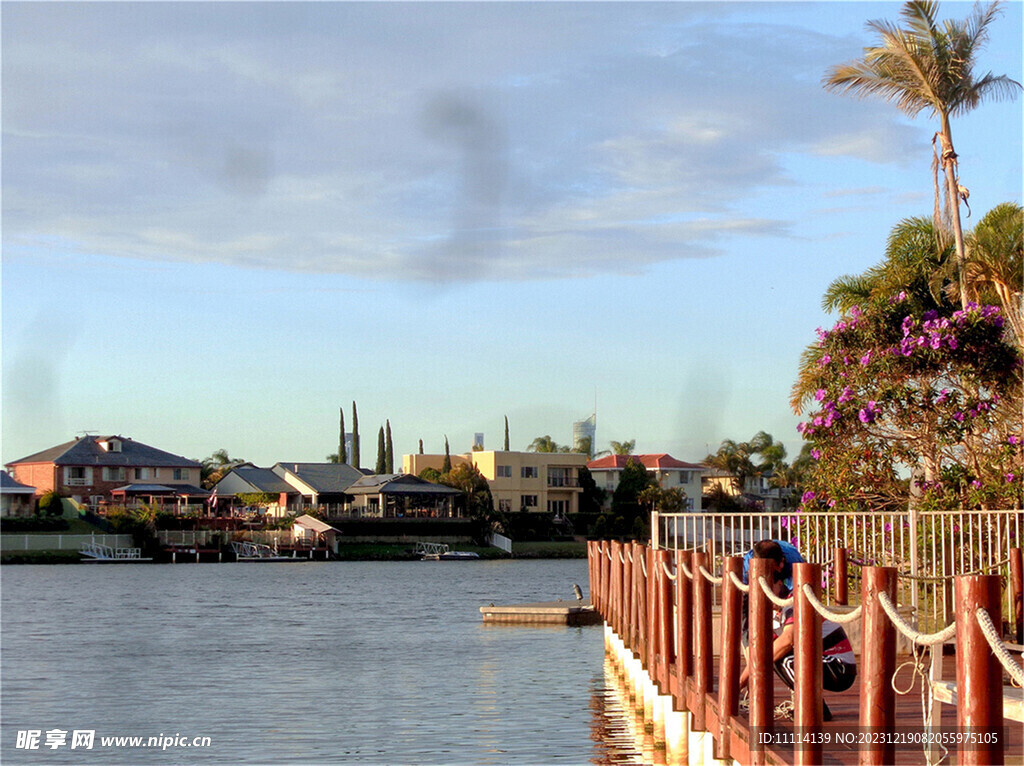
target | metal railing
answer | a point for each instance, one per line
(927, 547)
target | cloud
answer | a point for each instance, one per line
(428, 142)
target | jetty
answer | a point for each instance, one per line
(541, 613)
(672, 619)
(105, 554)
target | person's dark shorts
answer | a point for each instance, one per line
(836, 675)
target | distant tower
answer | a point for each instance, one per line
(585, 431)
(348, 445)
(478, 442)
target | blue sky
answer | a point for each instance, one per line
(222, 222)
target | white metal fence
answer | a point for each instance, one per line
(927, 547)
(10, 543)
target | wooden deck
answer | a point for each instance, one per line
(845, 707)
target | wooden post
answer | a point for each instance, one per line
(640, 603)
(616, 588)
(1017, 590)
(842, 576)
(626, 632)
(729, 676)
(702, 644)
(665, 622)
(807, 650)
(979, 676)
(651, 593)
(878, 659)
(759, 656)
(684, 627)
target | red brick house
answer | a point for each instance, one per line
(101, 469)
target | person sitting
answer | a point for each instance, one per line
(784, 554)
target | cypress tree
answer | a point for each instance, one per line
(342, 453)
(381, 465)
(389, 450)
(506, 433)
(355, 437)
(446, 466)
(421, 446)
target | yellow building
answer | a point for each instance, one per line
(519, 481)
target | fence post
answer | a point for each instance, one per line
(842, 576)
(729, 674)
(614, 588)
(684, 627)
(807, 650)
(759, 659)
(651, 593)
(979, 676)
(878, 658)
(665, 623)
(702, 646)
(1017, 591)
(628, 564)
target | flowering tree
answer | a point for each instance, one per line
(910, 403)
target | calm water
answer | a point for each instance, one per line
(304, 663)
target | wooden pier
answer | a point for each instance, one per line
(542, 613)
(657, 609)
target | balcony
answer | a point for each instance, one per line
(563, 481)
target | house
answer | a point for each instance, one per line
(399, 495)
(670, 473)
(320, 485)
(247, 479)
(519, 481)
(16, 499)
(755, 491)
(90, 469)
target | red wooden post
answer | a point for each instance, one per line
(684, 627)
(979, 676)
(759, 655)
(1017, 590)
(640, 647)
(605, 569)
(729, 677)
(842, 576)
(616, 588)
(652, 611)
(628, 587)
(702, 646)
(807, 648)
(878, 659)
(666, 638)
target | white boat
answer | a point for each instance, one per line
(441, 552)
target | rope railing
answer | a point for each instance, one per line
(987, 569)
(629, 555)
(780, 602)
(643, 564)
(991, 634)
(622, 559)
(740, 585)
(908, 630)
(710, 577)
(668, 572)
(839, 617)
(686, 570)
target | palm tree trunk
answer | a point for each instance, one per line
(952, 191)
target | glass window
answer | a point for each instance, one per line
(504, 472)
(529, 472)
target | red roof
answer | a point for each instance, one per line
(659, 462)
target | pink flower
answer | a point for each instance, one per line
(820, 394)
(866, 359)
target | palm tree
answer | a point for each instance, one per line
(995, 260)
(927, 65)
(544, 444)
(623, 448)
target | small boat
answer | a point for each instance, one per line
(441, 552)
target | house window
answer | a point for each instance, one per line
(113, 473)
(141, 473)
(529, 501)
(558, 507)
(689, 504)
(685, 477)
(180, 474)
(529, 472)
(504, 472)
(505, 506)
(560, 477)
(77, 476)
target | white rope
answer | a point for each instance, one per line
(622, 559)
(710, 577)
(629, 555)
(686, 571)
(738, 583)
(840, 617)
(998, 649)
(667, 571)
(783, 602)
(608, 553)
(924, 639)
(643, 564)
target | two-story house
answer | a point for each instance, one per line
(670, 473)
(519, 481)
(102, 469)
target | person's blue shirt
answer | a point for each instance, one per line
(786, 575)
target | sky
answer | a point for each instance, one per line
(222, 222)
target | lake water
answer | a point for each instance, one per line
(319, 662)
